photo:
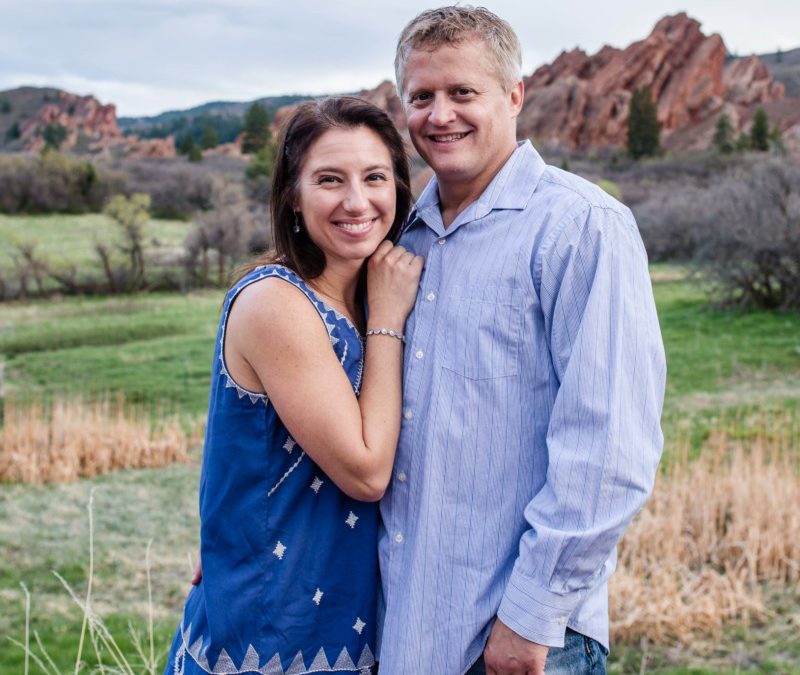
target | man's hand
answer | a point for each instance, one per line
(507, 653)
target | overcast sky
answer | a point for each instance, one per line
(149, 56)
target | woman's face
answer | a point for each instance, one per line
(346, 193)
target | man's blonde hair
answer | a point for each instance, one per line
(454, 25)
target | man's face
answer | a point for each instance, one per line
(461, 119)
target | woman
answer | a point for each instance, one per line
(292, 457)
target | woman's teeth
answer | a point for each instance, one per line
(355, 227)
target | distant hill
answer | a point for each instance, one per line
(785, 67)
(225, 117)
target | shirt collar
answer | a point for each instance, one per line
(511, 188)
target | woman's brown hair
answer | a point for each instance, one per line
(303, 127)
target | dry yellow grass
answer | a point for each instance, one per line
(72, 439)
(715, 533)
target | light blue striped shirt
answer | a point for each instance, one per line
(533, 384)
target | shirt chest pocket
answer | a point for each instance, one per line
(480, 331)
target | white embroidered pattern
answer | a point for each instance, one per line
(289, 445)
(317, 597)
(251, 660)
(351, 520)
(316, 484)
(280, 549)
(286, 475)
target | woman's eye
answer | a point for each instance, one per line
(327, 179)
(376, 177)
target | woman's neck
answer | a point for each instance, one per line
(338, 286)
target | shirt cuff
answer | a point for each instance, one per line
(535, 613)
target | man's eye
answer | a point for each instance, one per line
(420, 98)
(463, 91)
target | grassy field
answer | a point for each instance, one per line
(66, 241)
(157, 349)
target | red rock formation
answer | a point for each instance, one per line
(582, 101)
(385, 97)
(81, 116)
(137, 148)
(748, 82)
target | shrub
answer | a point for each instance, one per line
(225, 236)
(54, 182)
(750, 242)
(176, 189)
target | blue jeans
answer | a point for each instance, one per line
(580, 655)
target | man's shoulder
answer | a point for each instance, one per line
(576, 195)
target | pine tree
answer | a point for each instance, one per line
(723, 135)
(190, 149)
(256, 129)
(759, 132)
(643, 127)
(210, 138)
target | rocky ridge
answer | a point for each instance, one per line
(581, 101)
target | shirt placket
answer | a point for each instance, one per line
(417, 361)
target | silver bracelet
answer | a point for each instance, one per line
(387, 331)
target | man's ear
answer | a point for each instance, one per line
(516, 96)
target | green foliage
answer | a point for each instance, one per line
(192, 151)
(611, 188)
(261, 164)
(564, 164)
(226, 127)
(643, 126)
(54, 135)
(132, 214)
(210, 138)
(742, 143)
(13, 132)
(256, 129)
(759, 131)
(5, 106)
(723, 135)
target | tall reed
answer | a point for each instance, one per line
(716, 533)
(70, 439)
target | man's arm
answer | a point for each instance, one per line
(604, 439)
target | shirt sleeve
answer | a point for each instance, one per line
(604, 438)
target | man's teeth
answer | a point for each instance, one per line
(355, 227)
(448, 137)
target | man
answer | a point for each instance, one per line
(533, 381)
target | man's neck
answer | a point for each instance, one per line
(455, 196)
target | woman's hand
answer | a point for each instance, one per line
(392, 283)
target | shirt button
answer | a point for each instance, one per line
(562, 620)
(399, 537)
(408, 414)
(441, 242)
(431, 296)
(401, 477)
(419, 354)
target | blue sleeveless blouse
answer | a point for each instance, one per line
(290, 569)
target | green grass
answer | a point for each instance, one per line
(66, 242)
(157, 349)
(46, 528)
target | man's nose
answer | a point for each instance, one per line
(442, 111)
